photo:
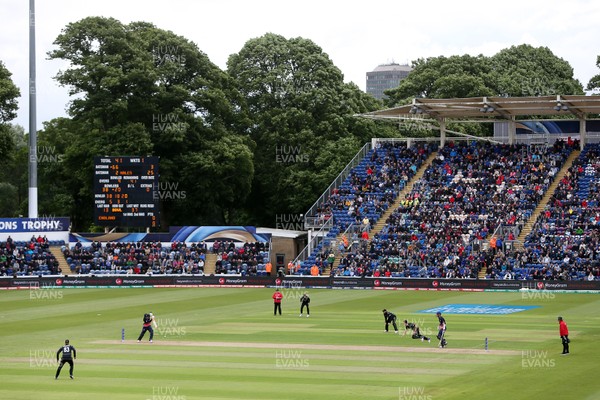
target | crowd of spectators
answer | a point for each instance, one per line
(158, 258)
(27, 258)
(368, 191)
(565, 241)
(247, 259)
(443, 227)
(136, 258)
(446, 227)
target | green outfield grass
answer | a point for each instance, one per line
(226, 344)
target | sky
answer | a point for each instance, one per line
(357, 35)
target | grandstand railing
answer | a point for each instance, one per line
(311, 217)
(349, 232)
(316, 239)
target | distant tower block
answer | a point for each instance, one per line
(385, 76)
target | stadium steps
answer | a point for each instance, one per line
(378, 226)
(210, 263)
(407, 189)
(481, 273)
(60, 257)
(528, 227)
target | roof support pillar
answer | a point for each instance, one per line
(582, 133)
(512, 131)
(442, 132)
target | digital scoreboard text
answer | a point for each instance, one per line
(124, 191)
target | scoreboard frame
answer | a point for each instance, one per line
(125, 191)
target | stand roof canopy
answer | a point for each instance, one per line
(488, 109)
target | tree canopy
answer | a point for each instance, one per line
(302, 121)
(9, 93)
(142, 90)
(594, 83)
(521, 70)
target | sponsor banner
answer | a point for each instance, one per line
(294, 281)
(515, 285)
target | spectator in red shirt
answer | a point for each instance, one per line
(564, 335)
(277, 296)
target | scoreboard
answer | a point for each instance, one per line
(125, 191)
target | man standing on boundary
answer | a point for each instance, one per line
(147, 323)
(305, 301)
(390, 318)
(68, 355)
(564, 335)
(441, 329)
(277, 296)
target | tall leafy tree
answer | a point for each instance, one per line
(594, 83)
(444, 77)
(299, 107)
(525, 70)
(143, 90)
(13, 170)
(9, 93)
(9, 142)
(517, 71)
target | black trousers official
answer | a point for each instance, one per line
(302, 308)
(276, 306)
(144, 329)
(392, 321)
(63, 362)
(565, 343)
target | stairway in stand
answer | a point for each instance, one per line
(528, 227)
(210, 263)
(481, 274)
(377, 227)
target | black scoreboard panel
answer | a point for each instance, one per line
(125, 191)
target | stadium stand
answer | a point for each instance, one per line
(479, 210)
(178, 258)
(28, 258)
(565, 241)
(443, 226)
(364, 195)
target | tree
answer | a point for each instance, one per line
(9, 93)
(13, 173)
(299, 107)
(143, 90)
(517, 71)
(444, 77)
(594, 83)
(532, 71)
